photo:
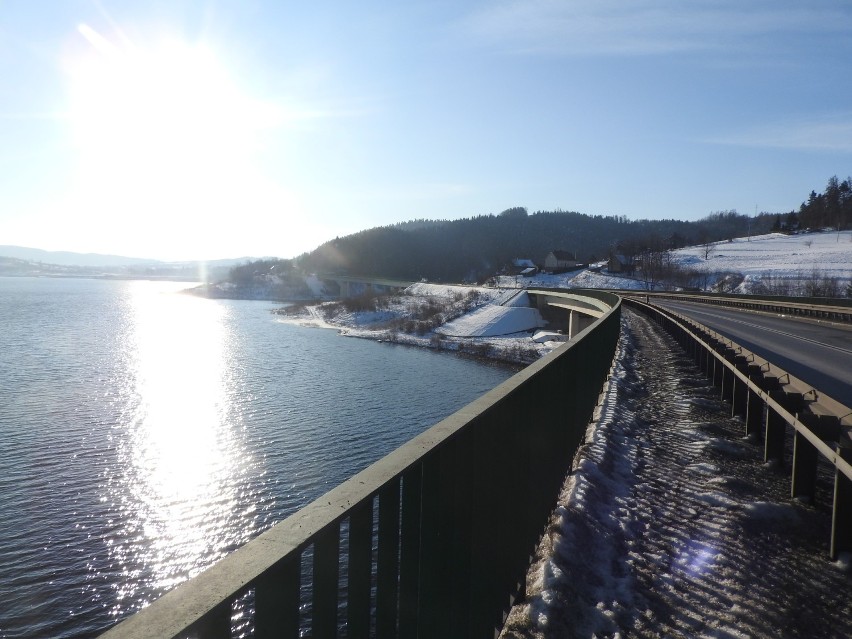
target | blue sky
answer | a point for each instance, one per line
(202, 130)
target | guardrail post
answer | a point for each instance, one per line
(841, 521)
(805, 454)
(716, 367)
(776, 427)
(739, 404)
(773, 449)
(728, 376)
(756, 406)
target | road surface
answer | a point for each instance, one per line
(818, 353)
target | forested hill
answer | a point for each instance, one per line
(473, 249)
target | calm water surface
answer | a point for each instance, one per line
(146, 434)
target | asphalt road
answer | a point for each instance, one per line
(819, 354)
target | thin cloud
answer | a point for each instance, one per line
(646, 27)
(825, 133)
(426, 191)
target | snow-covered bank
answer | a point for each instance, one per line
(493, 323)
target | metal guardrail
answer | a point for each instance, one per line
(771, 400)
(838, 310)
(437, 534)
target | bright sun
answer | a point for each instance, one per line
(163, 134)
(170, 104)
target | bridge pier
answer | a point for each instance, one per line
(578, 322)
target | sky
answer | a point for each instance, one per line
(191, 129)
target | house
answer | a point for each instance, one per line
(621, 264)
(522, 267)
(560, 261)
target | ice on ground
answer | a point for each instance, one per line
(493, 321)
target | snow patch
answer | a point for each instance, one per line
(492, 321)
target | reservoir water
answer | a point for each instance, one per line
(146, 434)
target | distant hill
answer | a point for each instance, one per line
(67, 258)
(32, 262)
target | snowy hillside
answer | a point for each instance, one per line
(775, 257)
(776, 264)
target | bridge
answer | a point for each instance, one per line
(349, 283)
(429, 509)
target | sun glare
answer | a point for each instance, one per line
(165, 135)
(169, 103)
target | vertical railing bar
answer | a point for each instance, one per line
(216, 624)
(276, 600)
(409, 561)
(360, 570)
(387, 568)
(325, 577)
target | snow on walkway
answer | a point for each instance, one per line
(671, 525)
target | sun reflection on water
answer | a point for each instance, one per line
(180, 450)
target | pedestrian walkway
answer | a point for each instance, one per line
(671, 525)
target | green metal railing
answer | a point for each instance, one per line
(437, 535)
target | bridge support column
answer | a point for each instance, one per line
(578, 322)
